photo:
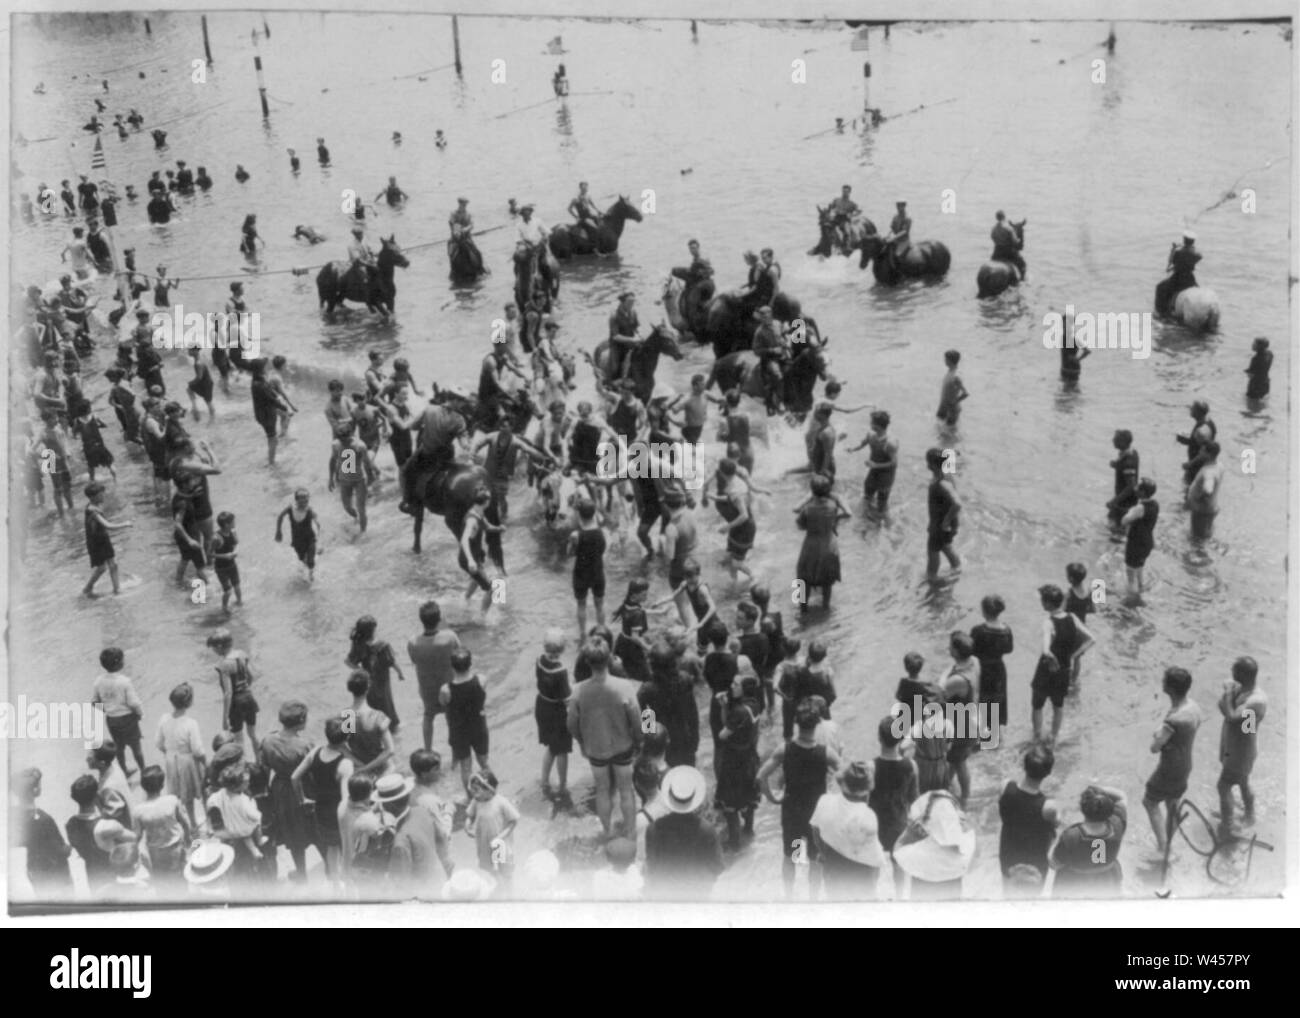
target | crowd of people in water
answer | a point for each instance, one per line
(208, 819)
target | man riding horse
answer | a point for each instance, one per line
(584, 210)
(842, 210)
(899, 237)
(362, 259)
(773, 354)
(1008, 240)
(440, 431)
(623, 328)
(1181, 266)
(531, 245)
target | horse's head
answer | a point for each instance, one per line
(391, 254)
(624, 209)
(872, 245)
(663, 339)
(551, 491)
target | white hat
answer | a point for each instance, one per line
(393, 786)
(1188, 235)
(468, 885)
(208, 861)
(684, 789)
(939, 841)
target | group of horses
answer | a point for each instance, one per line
(695, 311)
(1196, 307)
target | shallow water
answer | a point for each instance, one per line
(1106, 174)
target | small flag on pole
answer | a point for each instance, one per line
(97, 159)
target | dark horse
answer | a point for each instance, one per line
(450, 493)
(466, 260)
(336, 282)
(519, 410)
(833, 240)
(741, 370)
(995, 275)
(569, 239)
(926, 259)
(729, 324)
(645, 359)
(541, 274)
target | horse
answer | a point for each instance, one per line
(451, 494)
(687, 305)
(519, 410)
(1197, 307)
(995, 275)
(560, 491)
(832, 240)
(336, 281)
(729, 324)
(925, 259)
(540, 274)
(741, 370)
(645, 359)
(569, 239)
(466, 260)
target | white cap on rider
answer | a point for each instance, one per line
(1189, 235)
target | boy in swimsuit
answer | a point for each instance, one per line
(223, 555)
(304, 529)
(953, 391)
(98, 543)
(471, 555)
(352, 471)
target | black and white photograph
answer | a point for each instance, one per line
(730, 458)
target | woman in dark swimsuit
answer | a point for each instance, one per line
(376, 658)
(993, 640)
(1140, 542)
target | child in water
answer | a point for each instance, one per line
(304, 530)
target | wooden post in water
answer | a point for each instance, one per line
(455, 42)
(207, 49)
(148, 28)
(1110, 39)
(695, 32)
(866, 89)
(261, 86)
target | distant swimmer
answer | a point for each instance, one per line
(397, 137)
(241, 174)
(438, 139)
(560, 82)
(322, 153)
(159, 138)
(308, 234)
(201, 179)
(295, 164)
(392, 194)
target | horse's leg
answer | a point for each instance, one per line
(417, 524)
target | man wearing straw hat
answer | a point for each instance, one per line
(419, 839)
(206, 870)
(683, 854)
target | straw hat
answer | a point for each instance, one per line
(392, 787)
(208, 861)
(684, 789)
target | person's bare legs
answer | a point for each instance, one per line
(626, 798)
(599, 602)
(604, 805)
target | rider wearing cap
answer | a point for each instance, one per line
(769, 345)
(842, 210)
(460, 221)
(623, 327)
(1007, 244)
(359, 253)
(439, 428)
(900, 230)
(1182, 262)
